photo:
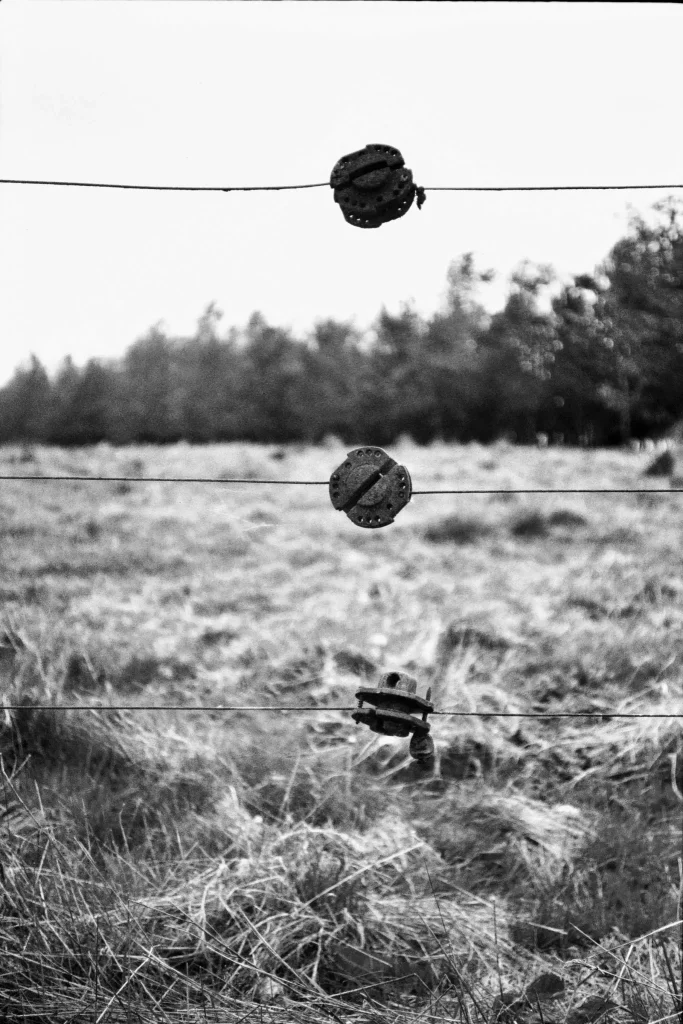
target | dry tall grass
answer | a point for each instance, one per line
(188, 865)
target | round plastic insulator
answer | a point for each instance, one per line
(394, 711)
(373, 186)
(370, 487)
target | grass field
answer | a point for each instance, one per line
(169, 865)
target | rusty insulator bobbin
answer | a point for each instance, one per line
(395, 704)
(373, 186)
(370, 487)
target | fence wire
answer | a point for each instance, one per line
(326, 184)
(603, 715)
(326, 483)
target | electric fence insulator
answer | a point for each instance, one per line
(373, 186)
(395, 711)
(370, 487)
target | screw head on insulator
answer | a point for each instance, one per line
(370, 487)
(395, 710)
(373, 186)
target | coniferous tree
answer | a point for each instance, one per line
(605, 361)
(25, 405)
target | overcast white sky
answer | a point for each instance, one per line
(256, 93)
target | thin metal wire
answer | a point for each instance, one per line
(325, 483)
(567, 490)
(539, 188)
(167, 480)
(178, 188)
(462, 714)
(314, 707)
(326, 184)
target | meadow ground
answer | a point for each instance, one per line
(169, 865)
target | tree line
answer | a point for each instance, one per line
(603, 364)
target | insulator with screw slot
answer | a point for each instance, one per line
(373, 186)
(395, 703)
(370, 487)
